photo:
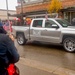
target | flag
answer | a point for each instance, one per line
(56, 16)
(6, 26)
(46, 16)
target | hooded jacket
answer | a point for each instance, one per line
(8, 52)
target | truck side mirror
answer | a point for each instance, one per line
(55, 26)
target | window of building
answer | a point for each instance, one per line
(32, 1)
(37, 23)
(26, 1)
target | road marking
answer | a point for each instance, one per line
(46, 67)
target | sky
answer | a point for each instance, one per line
(11, 4)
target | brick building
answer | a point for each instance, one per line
(36, 8)
(69, 9)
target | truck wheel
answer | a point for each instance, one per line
(21, 39)
(69, 44)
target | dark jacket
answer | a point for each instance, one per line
(8, 52)
(1, 23)
(2, 30)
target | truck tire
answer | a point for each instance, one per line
(21, 39)
(69, 44)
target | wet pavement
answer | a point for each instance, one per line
(27, 70)
(62, 62)
(28, 66)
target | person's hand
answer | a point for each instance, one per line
(12, 37)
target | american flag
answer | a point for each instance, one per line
(8, 26)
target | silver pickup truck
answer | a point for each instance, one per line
(51, 30)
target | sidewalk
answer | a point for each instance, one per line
(27, 70)
(33, 67)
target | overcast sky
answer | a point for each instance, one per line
(11, 4)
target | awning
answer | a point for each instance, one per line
(29, 13)
(69, 9)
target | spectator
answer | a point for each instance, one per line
(1, 23)
(73, 21)
(8, 52)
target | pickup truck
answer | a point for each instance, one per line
(51, 30)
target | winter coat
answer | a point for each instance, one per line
(8, 52)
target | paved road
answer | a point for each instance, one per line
(47, 58)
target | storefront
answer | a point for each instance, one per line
(38, 9)
(69, 14)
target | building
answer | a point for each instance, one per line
(3, 14)
(38, 8)
(69, 9)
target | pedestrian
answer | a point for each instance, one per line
(8, 52)
(1, 23)
(73, 21)
(2, 30)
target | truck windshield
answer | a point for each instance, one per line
(63, 22)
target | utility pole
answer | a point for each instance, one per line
(7, 10)
(9, 32)
(21, 12)
(21, 6)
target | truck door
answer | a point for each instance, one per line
(50, 34)
(35, 31)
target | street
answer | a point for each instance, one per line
(47, 21)
(45, 59)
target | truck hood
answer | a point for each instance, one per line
(69, 28)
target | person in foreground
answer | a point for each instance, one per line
(8, 52)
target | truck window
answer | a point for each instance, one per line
(63, 23)
(37, 23)
(49, 23)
